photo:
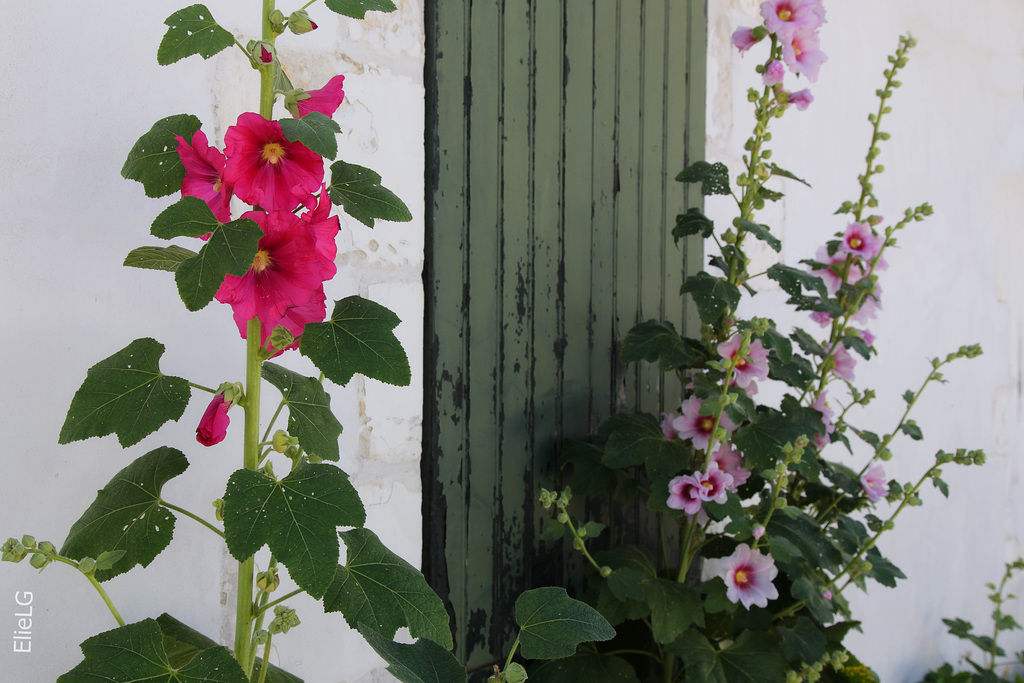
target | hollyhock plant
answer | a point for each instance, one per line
(715, 484)
(204, 174)
(801, 54)
(748, 577)
(744, 39)
(843, 362)
(861, 241)
(684, 493)
(873, 482)
(213, 426)
(266, 170)
(748, 368)
(696, 427)
(783, 17)
(730, 461)
(774, 72)
(801, 99)
(832, 273)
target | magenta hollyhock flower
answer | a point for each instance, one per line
(748, 577)
(783, 17)
(750, 368)
(801, 54)
(822, 318)
(730, 461)
(285, 273)
(213, 426)
(666, 426)
(843, 362)
(294, 319)
(801, 98)
(266, 170)
(684, 494)
(325, 227)
(743, 39)
(861, 241)
(775, 72)
(873, 482)
(204, 174)
(325, 100)
(696, 427)
(822, 440)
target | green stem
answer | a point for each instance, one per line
(263, 608)
(266, 659)
(192, 516)
(202, 388)
(106, 598)
(270, 425)
(511, 652)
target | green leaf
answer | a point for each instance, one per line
(761, 232)
(941, 485)
(187, 217)
(820, 608)
(127, 515)
(804, 642)
(316, 131)
(552, 624)
(776, 170)
(358, 191)
(357, 338)
(626, 583)
(674, 608)
(357, 9)
(310, 419)
(658, 342)
(297, 517)
(882, 570)
(154, 160)
(641, 442)
(192, 31)
(794, 280)
(713, 295)
(803, 532)
(135, 653)
(752, 659)
(713, 178)
(699, 657)
(126, 394)
(377, 588)
(589, 476)
(422, 662)
(230, 250)
(692, 222)
(585, 667)
(158, 258)
(761, 440)
(798, 372)
(911, 429)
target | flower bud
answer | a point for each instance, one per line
(281, 441)
(262, 637)
(47, 547)
(268, 581)
(827, 594)
(261, 51)
(563, 517)
(28, 541)
(515, 673)
(281, 338)
(39, 561)
(547, 498)
(277, 21)
(758, 531)
(606, 572)
(13, 551)
(299, 22)
(284, 619)
(218, 506)
(87, 565)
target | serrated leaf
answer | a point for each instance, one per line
(378, 588)
(126, 394)
(658, 342)
(135, 653)
(752, 658)
(908, 396)
(310, 419)
(158, 258)
(154, 161)
(776, 170)
(941, 485)
(357, 9)
(804, 642)
(911, 429)
(589, 476)
(642, 442)
(192, 31)
(699, 657)
(713, 295)
(761, 441)
(585, 667)
(358, 191)
(552, 624)
(422, 662)
(357, 338)
(316, 131)
(230, 250)
(794, 280)
(804, 533)
(761, 232)
(296, 517)
(187, 217)
(127, 515)
(713, 178)
(807, 343)
(674, 608)
(693, 222)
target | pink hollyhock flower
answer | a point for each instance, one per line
(822, 440)
(265, 169)
(833, 281)
(749, 368)
(743, 39)
(285, 274)
(748, 577)
(801, 54)
(715, 484)
(827, 594)
(801, 98)
(666, 426)
(822, 318)
(775, 72)
(843, 361)
(873, 482)
(204, 174)
(325, 227)
(684, 494)
(861, 241)
(213, 426)
(758, 532)
(325, 100)
(730, 461)
(783, 17)
(868, 338)
(870, 306)
(696, 427)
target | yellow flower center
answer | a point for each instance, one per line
(740, 578)
(273, 152)
(855, 242)
(261, 261)
(740, 362)
(216, 185)
(785, 14)
(797, 51)
(706, 423)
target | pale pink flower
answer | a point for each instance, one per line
(873, 482)
(743, 39)
(861, 241)
(822, 440)
(835, 265)
(715, 484)
(783, 17)
(868, 338)
(749, 368)
(213, 426)
(666, 426)
(684, 493)
(870, 306)
(730, 461)
(748, 577)
(758, 532)
(801, 98)
(774, 73)
(822, 318)
(827, 594)
(844, 362)
(204, 174)
(696, 427)
(801, 54)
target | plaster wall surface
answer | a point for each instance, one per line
(957, 142)
(81, 84)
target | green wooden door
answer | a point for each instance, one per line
(554, 131)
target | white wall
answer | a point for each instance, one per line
(81, 84)
(958, 142)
